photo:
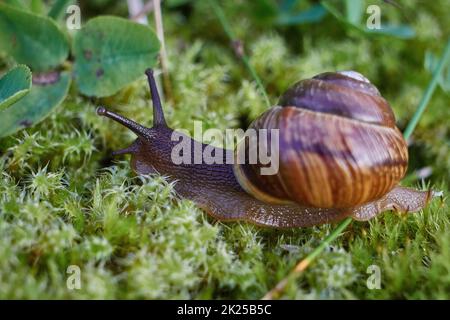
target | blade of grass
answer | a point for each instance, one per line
(428, 92)
(238, 47)
(354, 10)
(304, 263)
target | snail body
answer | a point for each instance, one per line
(340, 155)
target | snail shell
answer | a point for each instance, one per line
(338, 145)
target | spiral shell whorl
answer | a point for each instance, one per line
(339, 146)
(347, 94)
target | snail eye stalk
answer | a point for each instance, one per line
(158, 113)
(138, 129)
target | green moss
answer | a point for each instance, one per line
(64, 200)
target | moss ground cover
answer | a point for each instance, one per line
(65, 201)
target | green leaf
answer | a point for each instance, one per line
(399, 31)
(35, 106)
(14, 85)
(287, 5)
(314, 14)
(17, 3)
(31, 39)
(37, 6)
(111, 52)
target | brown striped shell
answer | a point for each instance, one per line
(338, 145)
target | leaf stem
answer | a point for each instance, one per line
(238, 48)
(428, 92)
(163, 52)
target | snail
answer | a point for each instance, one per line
(341, 155)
